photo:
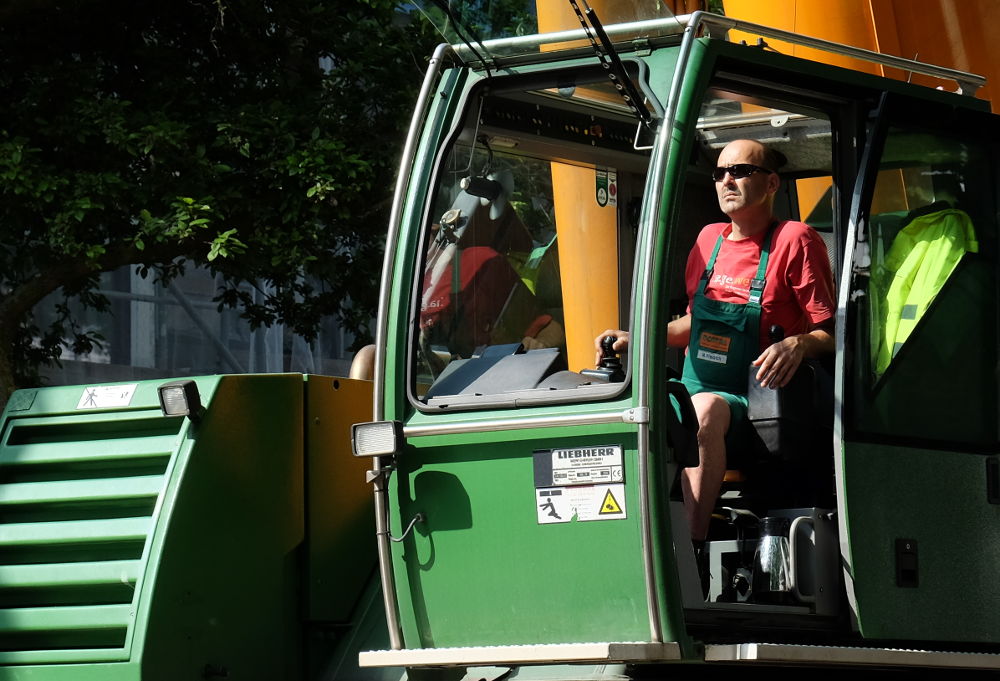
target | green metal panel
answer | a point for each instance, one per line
(938, 500)
(84, 573)
(482, 571)
(77, 500)
(67, 619)
(141, 546)
(225, 598)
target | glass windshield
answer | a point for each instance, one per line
(528, 244)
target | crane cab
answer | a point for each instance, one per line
(528, 501)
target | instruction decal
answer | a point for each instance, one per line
(606, 191)
(104, 396)
(590, 502)
(579, 483)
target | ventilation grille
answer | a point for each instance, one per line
(77, 495)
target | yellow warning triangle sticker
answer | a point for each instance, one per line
(610, 505)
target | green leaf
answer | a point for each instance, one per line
(176, 126)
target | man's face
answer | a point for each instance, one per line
(751, 193)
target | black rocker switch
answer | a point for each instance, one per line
(907, 572)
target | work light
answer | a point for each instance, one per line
(180, 398)
(376, 438)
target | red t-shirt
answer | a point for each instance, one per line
(799, 291)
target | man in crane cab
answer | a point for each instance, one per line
(743, 277)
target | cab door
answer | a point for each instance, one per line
(917, 473)
(518, 506)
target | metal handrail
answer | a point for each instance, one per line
(967, 82)
(381, 332)
(667, 26)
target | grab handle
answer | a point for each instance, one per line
(793, 568)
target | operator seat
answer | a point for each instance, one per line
(783, 458)
(789, 462)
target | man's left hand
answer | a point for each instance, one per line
(779, 362)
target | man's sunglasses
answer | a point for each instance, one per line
(738, 171)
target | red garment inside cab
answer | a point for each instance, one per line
(488, 304)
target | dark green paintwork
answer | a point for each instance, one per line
(939, 500)
(482, 571)
(218, 578)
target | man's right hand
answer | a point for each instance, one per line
(620, 345)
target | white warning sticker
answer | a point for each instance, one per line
(592, 502)
(105, 396)
(587, 465)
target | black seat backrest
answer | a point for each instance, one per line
(788, 418)
(786, 453)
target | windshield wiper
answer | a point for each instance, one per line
(460, 30)
(611, 62)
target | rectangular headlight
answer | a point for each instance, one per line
(377, 438)
(180, 398)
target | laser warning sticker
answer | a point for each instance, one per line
(582, 503)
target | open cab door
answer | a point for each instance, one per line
(520, 523)
(884, 472)
(919, 483)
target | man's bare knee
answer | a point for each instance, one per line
(712, 412)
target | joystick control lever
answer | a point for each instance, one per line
(610, 370)
(608, 349)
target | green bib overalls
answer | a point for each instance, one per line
(725, 337)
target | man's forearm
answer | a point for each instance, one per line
(679, 332)
(816, 343)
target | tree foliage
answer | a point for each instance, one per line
(259, 137)
(473, 20)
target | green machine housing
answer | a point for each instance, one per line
(233, 542)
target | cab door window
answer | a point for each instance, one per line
(528, 250)
(926, 310)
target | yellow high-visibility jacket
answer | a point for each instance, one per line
(919, 262)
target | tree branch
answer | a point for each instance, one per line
(19, 302)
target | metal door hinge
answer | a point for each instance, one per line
(636, 415)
